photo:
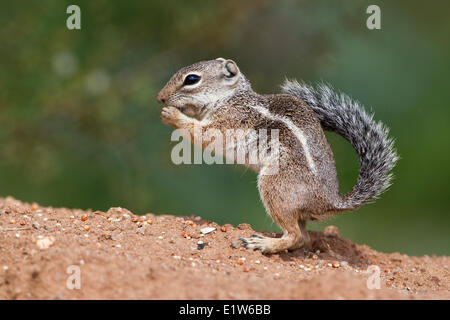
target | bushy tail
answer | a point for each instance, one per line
(377, 156)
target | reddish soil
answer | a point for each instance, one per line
(124, 256)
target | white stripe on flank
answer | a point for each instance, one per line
(295, 130)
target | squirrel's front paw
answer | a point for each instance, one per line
(170, 116)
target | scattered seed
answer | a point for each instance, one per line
(86, 235)
(150, 222)
(223, 229)
(302, 266)
(12, 221)
(245, 270)
(257, 261)
(22, 222)
(36, 225)
(388, 283)
(240, 262)
(189, 222)
(34, 207)
(118, 245)
(160, 237)
(72, 217)
(83, 218)
(177, 257)
(17, 235)
(87, 228)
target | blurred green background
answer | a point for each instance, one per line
(79, 122)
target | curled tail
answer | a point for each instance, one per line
(377, 156)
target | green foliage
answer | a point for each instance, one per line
(79, 122)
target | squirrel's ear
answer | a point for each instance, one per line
(230, 69)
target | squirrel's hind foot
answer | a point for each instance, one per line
(273, 245)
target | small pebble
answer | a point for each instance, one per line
(207, 230)
(160, 237)
(257, 261)
(118, 245)
(5, 268)
(177, 257)
(36, 225)
(17, 235)
(200, 245)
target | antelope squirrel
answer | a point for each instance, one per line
(215, 94)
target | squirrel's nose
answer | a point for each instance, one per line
(161, 97)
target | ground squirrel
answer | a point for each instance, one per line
(216, 95)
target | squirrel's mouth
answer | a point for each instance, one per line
(190, 110)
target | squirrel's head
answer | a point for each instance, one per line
(199, 87)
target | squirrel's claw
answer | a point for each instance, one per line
(255, 242)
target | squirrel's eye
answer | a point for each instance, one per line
(191, 79)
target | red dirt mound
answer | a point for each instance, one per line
(124, 256)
